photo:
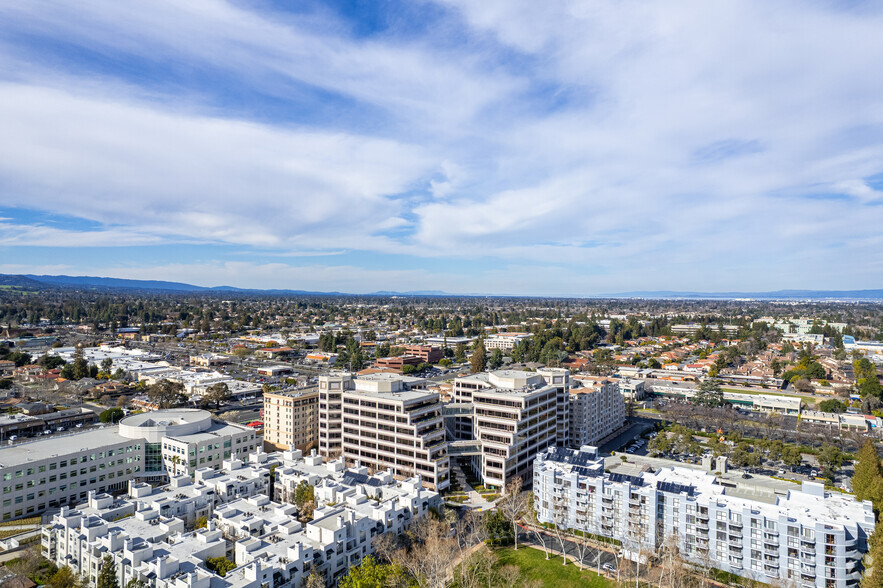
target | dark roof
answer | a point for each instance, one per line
(675, 488)
(633, 480)
(353, 478)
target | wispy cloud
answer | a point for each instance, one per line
(695, 144)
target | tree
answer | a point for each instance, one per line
(81, 366)
(868, 473)
(314, 580)
(791, 456)
(111, 415)
(50, 362)
(107, 575)
(166, 394)
(830, 458)
(832, 405)
(513, 505)
(123, 401)
(460, 353)
(371, 574)
(478, 362)
(497, 527)
(201, 523)
(64, 577)
(305, 499)
(242, 352)
(873, 577)
(219, 565)
(136, 583)
(496, 359)
(106, 365)
(217, 393)
(709, 394)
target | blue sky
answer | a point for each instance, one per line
(501, 146)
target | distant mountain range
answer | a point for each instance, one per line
(36, 282)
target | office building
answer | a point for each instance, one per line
(804, 537)
(501, 419)
(62, 470)
(291, 420)
(505, 341)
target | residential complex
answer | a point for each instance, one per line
(147, 533)
(291, 419)
(805, 537)
(595, 409)
(59, 471)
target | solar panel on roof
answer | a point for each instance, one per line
(675, 488)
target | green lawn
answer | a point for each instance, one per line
(551, 573)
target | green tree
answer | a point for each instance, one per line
(371, 574)
(50, 362)
(136, 583)
(107, 575)
(830, 458)
(497, 527)
(217, 393)
(314, 580)
(496, 359)
(111, 415)
(166, 394)
(868, 473)
(791, 456)
(106, 365)
(64, 577)
(81, 366)
(460, 353)
(219, 565)
(832, 405)
(478, 362)
(709, 394)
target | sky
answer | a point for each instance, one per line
(498, 146)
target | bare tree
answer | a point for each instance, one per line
(560, 524)
(513, 505)
(431, 552)
(538, 532)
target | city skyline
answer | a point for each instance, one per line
(511, 148)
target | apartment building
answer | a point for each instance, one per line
(595, 409)
(271, 548)
(62, 470)
(807, 537)
(291, 420)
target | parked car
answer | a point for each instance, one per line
(608, 568)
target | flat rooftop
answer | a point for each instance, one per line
(59, 446)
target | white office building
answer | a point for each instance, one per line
(62, 470)
(807, 537)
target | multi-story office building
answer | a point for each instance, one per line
(388, 425)
(146, 534)
(61, 470)
(510, 416)
(807, 537)
(331, 412)
(384, 421)
(595, 410)
(291, 420)
(505, 341)
(426, 353)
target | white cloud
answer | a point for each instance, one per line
(583, 145)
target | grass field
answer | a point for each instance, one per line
(551, 573)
